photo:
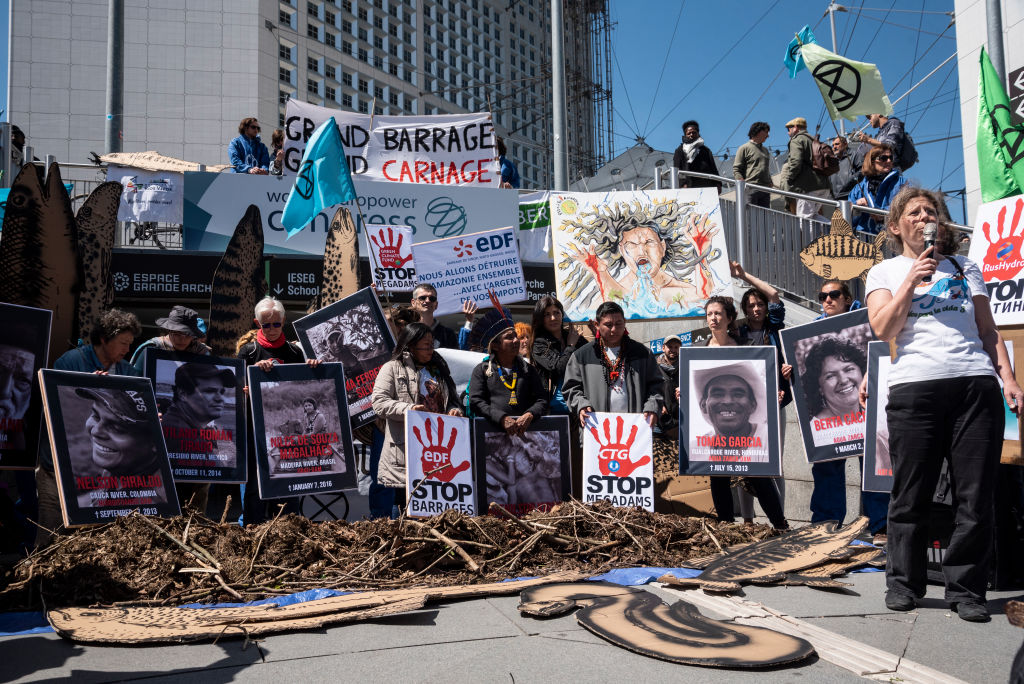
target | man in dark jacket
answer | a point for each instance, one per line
(693, 155)
(798, 175)
(668, 362)
(891, 133)
(848, 175)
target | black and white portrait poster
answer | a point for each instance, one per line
(729, 411)
(353, 332)
(438, 464)
(108, 450)
(829, 359)
(877, 470)
(301, 430)
(618, 460)
(24, 344)
(522, 472)
(202, 411)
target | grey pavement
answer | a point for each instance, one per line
(486, 640)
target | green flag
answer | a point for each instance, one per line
(849, 88)
(1000, 144)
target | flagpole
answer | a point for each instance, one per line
(897, 100)
(362, 222)
(835, 48)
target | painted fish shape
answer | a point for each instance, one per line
(39, 263)
(238, 283)
(97, 225)
(840, 254)
(771, 560)
(341, 261)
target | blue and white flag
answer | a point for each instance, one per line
(794, 60)
(323, 179)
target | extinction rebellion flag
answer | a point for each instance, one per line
(323, 179)
(849, 88)
(1000, 144)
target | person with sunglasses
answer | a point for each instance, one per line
(247, 152)
(882, 180)
(424, 302)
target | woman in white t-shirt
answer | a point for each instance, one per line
(944, 401)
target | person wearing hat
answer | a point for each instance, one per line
(668, 362)
(798, 174)
(182, 330)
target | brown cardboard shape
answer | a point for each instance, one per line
(686, 495)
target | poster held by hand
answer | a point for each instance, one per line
(877, 470)
(24, 345)
(438, 464)
(618, 464)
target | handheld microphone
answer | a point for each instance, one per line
(930, 230)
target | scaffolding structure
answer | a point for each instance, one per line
(588, 86)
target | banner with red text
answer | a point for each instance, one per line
(301, 119)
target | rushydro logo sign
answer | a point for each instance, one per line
(439, 464)
(617, 460)
(996, 248)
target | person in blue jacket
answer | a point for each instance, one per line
(509, 172)
(880, 184)
(247, 152)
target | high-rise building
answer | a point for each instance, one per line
(194, 68)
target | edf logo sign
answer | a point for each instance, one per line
(483, 244)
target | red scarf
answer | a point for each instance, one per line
(262, 340)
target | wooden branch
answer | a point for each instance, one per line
(455, 547)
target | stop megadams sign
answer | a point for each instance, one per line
(618, 460)
(996, 248)
(438, 462)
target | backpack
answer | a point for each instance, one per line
(823, 158)
(908, 155)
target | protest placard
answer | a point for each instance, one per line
(202, 409)
(438, 464)
(469, 267)
(300, 420)
(109, 455)
(877, 470)
(996, 249)
(729, 411)
(24, 346)
(618, 464)
(301, 119)
(391, 257)
(535, 227)
(149, 195)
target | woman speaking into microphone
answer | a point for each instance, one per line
(944, 401)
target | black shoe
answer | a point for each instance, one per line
(972, 612)
(901, 602)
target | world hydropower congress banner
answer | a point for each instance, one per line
(215, 202)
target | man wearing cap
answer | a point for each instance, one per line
(798, 174)
(182, 330)
(668, 362)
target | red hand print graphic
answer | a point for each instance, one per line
(1003, 259)
(701, 232)
(613, 456)
(437, 456)
(390, 250)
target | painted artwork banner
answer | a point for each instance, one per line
(149, 195)
(470, 267)
(391, 257)
(214, 203)
(618, 464)
(658, 253)
(301, 119)
(996, 248)
(439, 464)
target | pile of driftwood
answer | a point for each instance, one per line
(154, 561)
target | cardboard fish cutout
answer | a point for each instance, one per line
(840, 254)
(237, 285)
(97, 224)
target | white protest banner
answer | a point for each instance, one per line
(148, 195)
(391, 257)
(439, 464)
(469, 267)
(996, 249)
(301, 119)
(214, 202)
(445, 149)
(618, 463)
(535, 227)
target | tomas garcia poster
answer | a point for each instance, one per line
(729, 411)
(996, 248)
(829, 359)
(109, 455)
(24, 346)
(659, 253)
(618, 464)
(303, 440)
(439, 464)
(202, 414)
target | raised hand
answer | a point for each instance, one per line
(1003, 259)
(613, 455)
(436, 458)
(390, 250)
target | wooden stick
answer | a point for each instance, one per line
(454, 547)
(227, 505)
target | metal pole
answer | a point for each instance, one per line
(846, 207)
(674, 179)
(835, 49)
(115, 75)
(6, 172)
(561, 151)
(50, 159)
(741, 222)
(994, 16)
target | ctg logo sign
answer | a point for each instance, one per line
(465, 247)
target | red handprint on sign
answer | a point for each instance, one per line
(436, 458)
(613, 456)
(390, 251)
(1003, 259)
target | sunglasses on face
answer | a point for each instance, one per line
(254, 126)
(884, 157)
(832, 294)
(275, 324)
(427, 298)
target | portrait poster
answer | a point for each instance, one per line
(657, 253)
(109, 455)
(353, 332)
(618, 460)
(301, 431)
(438, 464)
(877, 470)
(24, 347)
(391, 257)
(829, 359)
(729, 411)
(996, 249)
(524, 472)
(202, 414)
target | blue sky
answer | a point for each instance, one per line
(723, 66)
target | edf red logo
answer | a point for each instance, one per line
(462, 249)
(486, 243)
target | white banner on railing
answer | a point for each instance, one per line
(301, 120)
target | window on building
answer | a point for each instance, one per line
(407, 105)
(312, 86)
(393, 10)
(378, 21)
(329, 18)
(393, 99)
(346, 47)
(330, 93)
(393, 50)
(407, 75)
(284, 18)
(346, 100)
(330, 40)
(346, 78)
(378, 42)
(392, 68)
(378, 61)
(284, 75)
(312, 9)
(364, 85)
(362, 34)
(282, 97)
(313, 31)
(364, 56)
(330, 71)
(393, 30)
(346, 26)
(407, 37)
(378, 109)
(313, 63)
(378, 92)
(364, 15)
(284, 52)
(346, 5)
(363, 107)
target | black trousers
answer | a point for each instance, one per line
(764, 490)
(959, 420)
